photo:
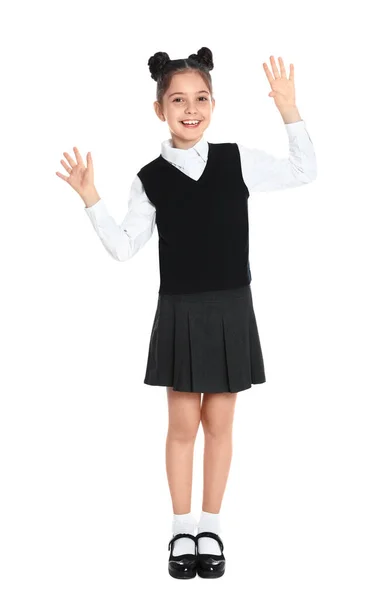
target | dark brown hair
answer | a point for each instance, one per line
(162, 69)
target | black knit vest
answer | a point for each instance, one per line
(202, 225)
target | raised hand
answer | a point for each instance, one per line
(283, 88)
(81, 177)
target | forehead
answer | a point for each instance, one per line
(189, 82)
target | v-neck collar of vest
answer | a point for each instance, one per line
(182, 174)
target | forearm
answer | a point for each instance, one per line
(290, 114)
(90, 198)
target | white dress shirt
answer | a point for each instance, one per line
(261, 172)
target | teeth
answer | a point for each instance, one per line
(190, 122)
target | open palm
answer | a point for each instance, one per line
(81, 177)
(283, 88)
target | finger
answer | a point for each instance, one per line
(69, 159)
(89, 163)
(62, 176)
(65, 166)
(291, 72)
(274, 68)
(282, 69)
(268, 73)
(78, 157)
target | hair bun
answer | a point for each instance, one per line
(157, 63)
(204, 56)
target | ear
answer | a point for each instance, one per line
(158, 110)
(213, 103)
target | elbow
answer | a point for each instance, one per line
(125, 253)
(121, 257)
(304, 175)
(312, 176)
(125, 250)
(308, 176)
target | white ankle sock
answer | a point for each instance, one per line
(185, 523)
(209, 522)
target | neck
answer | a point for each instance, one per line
(183, 144)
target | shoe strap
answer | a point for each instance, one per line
(210, 534)
(181, 535)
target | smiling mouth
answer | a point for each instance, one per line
(193, 123)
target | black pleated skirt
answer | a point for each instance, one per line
(205, 342)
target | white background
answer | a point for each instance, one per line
(85, 508)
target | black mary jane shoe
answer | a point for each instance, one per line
(182, 566)
(210, 565)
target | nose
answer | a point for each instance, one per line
(191, 108)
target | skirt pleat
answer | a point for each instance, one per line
(205, 342)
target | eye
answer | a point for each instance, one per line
(204, 98)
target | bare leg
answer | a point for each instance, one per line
(184, 419)
(217, 414)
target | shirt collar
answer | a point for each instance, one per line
(181, 157)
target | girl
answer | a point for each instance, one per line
(204, 338)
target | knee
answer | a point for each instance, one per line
(184, 432)
(215, 430)
(184, 415)
(217, 414)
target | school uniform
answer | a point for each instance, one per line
(204, 336)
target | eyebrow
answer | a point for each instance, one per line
(201, 92)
